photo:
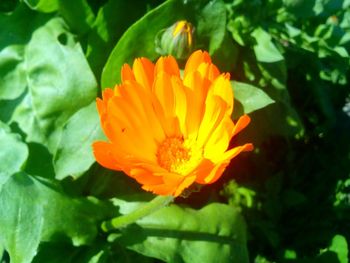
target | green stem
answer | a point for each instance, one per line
(144, 210)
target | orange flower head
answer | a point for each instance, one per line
(169, 131)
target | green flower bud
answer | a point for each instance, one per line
(176, 40)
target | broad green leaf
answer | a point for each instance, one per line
(77, 14)
(13, 153)
(59, 82)
(39, 161)
(225, 58)
(12, 81)
(177, 234)
(45, 6)
(110, 24)
(139, 39)
(252, 98)
(265, 50)
(74, 154)
(98, 252)
(15, 32)
(339, 245)
(212, 24)
(36, 210)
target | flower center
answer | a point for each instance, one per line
(177, 155)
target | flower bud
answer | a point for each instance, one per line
(176, 40)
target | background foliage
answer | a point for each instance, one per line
(288, 201)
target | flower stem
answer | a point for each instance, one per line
(144, 210)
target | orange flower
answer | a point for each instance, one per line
(168, 132)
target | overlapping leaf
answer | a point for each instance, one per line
(13, 154)
(54, 86)
(74, 154)
(177, 234)
(36, 210)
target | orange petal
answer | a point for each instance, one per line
(185, 183)
(222, 88)
(216, 173)
(218, 141)
(209, 172)
(203, 170)
(107, 94)
(196, 92)
(195, 60)
(140, 101)
(215, 110)
(230, 154)
(159, 189)
(124, 131)
(165, 103)
(144, 176)
(144, 72)
(126, 73)
(168, 65)
(173, 184)
(180, 103)
(164, 91)
(208, 71)
(104, 156)
(242, 122)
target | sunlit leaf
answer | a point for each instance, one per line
(13, 153)
(15, 32)
(252, 98)
(36, 210)
(176, 234)
(265, 50)
(58, 81)
(339, 245)
(212, 24)
(74, 154)
(45, 6)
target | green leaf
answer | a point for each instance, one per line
(139, 39)
(36, 210)
(59, 82)
(45, 6)
(225, 58)
(15, 32)
(39, 161)
(212, 24)
(304, 8)
(340, 247)
(110, 24)
(12, 82)
(252, 98)
(13, 153)
(98, 252)
(74, 154)
(77, 14)
(177, 234)
(265, 50)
